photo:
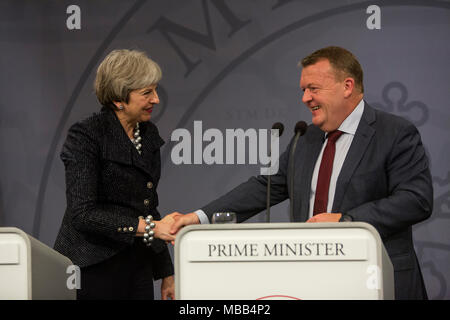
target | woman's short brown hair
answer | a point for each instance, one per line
(123, 71)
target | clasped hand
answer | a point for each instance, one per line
(167, 228)
(162, 227)
(173, 222)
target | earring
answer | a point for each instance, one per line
(121, 107)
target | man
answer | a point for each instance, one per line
(354, 163)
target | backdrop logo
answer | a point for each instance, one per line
(401, 105)
(185, 46)
(213, 153)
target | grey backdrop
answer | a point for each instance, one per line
(228, 63)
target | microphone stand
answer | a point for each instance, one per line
(300, 129)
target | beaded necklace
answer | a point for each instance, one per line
(137, 138)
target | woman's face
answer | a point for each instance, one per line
(140, 105)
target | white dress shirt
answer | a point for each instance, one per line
(348, 127)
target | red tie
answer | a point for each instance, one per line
(326, 166)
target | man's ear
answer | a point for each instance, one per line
(349, 86)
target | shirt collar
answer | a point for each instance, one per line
(350, 124)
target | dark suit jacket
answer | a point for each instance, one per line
(385, 181)
(108, 186)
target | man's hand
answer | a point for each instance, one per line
(326, 217)
(182, 220)
(163, 227)
(168, 288)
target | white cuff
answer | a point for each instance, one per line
(202, 216)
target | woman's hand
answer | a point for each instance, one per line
(168, 288)
(162, 227)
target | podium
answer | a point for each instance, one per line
(319, 261)
(31, 270)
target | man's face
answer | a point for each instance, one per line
(323, 95)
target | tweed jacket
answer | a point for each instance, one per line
(108, 186)
(385, 181)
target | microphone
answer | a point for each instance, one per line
(300, 129)
(280, 127)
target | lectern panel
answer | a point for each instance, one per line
(296, 261)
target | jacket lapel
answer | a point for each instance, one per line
(151, 143)
(119, 148)
(360, 142)
(117, 145)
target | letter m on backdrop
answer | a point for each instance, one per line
(169, 28)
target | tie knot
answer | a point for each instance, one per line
(334, 135)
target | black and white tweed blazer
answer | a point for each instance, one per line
(108, 186)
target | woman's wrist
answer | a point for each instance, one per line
(141, 227)
(145, 229)
(159, 229)
(149, 233)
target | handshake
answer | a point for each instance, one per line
(167, 228)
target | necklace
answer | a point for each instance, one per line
(137, 138)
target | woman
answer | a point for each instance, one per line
(111, 228)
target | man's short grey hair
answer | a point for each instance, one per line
(123, 71)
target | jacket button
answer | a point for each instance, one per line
(125, 229)
(119, 230)
(149, 185)
(131, 229)
(146, 202)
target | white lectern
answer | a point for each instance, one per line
(31, 270)
(344, 260)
